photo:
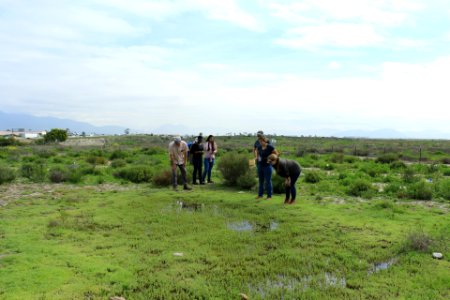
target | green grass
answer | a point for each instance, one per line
(94, 242)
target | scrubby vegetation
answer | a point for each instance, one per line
(93, 222)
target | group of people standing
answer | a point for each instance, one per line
(266, 158)
(199, 152)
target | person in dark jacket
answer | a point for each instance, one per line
(290, 170)
(196, 152)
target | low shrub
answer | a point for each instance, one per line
(118, 154)
(7, 174)
(328, 167)
(45, 153)
(360, 152)
(409, 175)
(312, 177)
(360, 187)
(349, 159)
(397, 165)
(233, 165)
(445, 160)
(392, 188)
(337, 158)
(432, 168)
(162, 178)
(36, 172)
(420, 191)
(118, 163)
(444, 189)
(248, 180)
(136, 174)
(417, 241)
(278, 184)
(446, 172)
(56, 175)
(300, 152)
(96, 160)
(72, 174)
(387, 158)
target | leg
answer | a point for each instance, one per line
(268, 180)
(205, 171)
(200, 162)
(294, 178)
(211, 165)
(261, 182)
(194, 173)
(287, 190)
(183, 174)
(174, 176)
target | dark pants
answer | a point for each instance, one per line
(209, 164)
(183, 175)
(197, 163)
(265, 180)
(290, 190)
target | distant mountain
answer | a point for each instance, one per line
(15, 121)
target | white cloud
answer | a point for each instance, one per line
(334, 65)
(228, 10)
(336, 35)
(383, 13)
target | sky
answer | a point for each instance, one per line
(287, 67)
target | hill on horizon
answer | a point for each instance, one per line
(16, 121)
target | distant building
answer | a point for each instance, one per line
(22, 134)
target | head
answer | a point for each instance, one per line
(263, 140)
(177, 139)
(260, 133)
(272, 159)
(199, 139)
(210, 138)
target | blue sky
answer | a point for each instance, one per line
(288, 67)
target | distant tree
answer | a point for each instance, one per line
(83, 134)
(55, 135)
(127, 131)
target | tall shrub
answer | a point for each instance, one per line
(233, 165)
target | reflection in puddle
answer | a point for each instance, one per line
(189, 206)
(382, 266)
(283, 283)
(257, 227)
(240, 226)
(333, 280)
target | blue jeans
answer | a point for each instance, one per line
(265, 180)
(290, 190)
(209, 164)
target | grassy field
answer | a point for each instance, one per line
(97, 234)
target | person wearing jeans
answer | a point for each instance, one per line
(210, 149)
(290, 170)
(265, 168)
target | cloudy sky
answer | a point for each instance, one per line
(290, 67)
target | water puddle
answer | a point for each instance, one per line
(333, 280)
(377, 267)
(256, 227)
(282, 284)
(180, 205)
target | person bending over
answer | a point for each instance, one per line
(290, 170)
